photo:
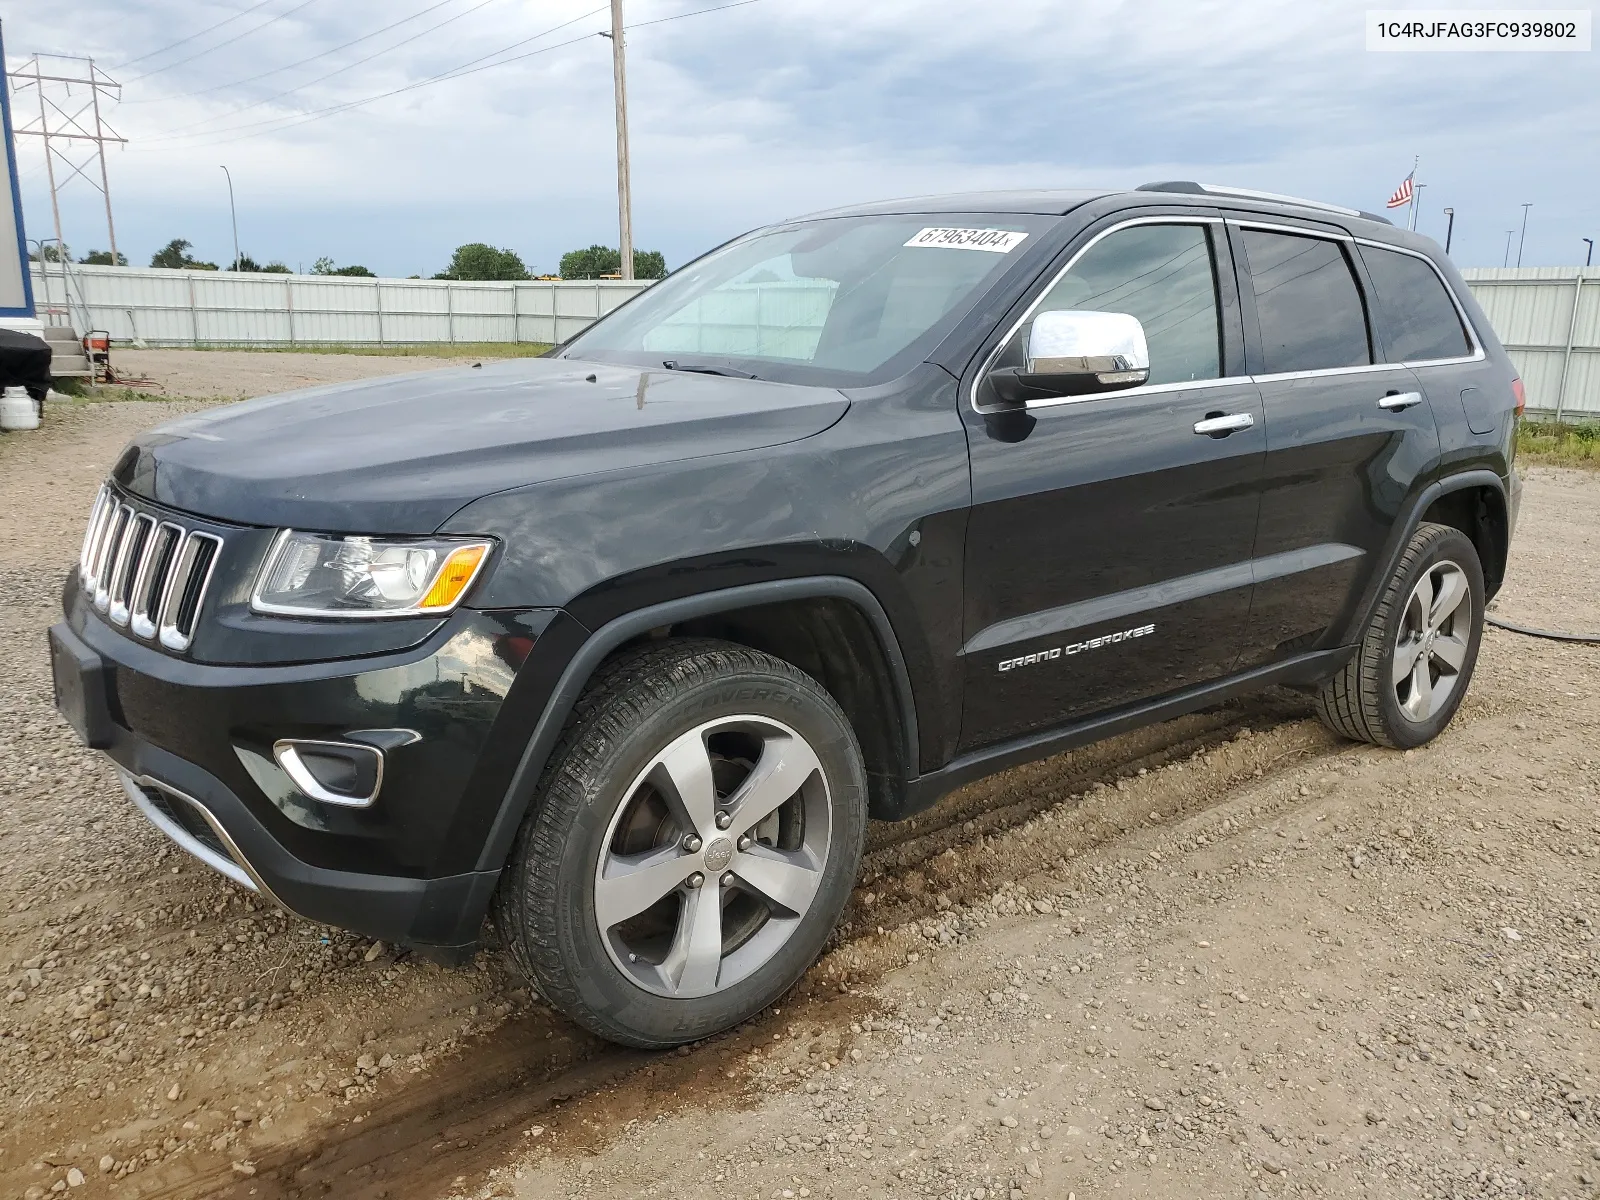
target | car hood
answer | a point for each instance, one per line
(400, 454)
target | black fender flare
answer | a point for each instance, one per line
(1404, 528)
(575, 677)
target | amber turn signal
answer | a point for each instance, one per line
(454, 577)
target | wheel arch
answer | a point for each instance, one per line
(1479, 511)
(830, 623)
(1447, 501)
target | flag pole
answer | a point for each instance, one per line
(1415, 163)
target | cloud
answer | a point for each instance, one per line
(761, 111)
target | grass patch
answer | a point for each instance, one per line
(79, 394)
(1559, 444)
(405, 350)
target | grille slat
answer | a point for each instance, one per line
(146, 574)
(134, 544)
(115, 533)
(186, 588)
(152, 580)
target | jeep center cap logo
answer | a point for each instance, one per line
(719, 854)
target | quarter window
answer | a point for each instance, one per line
(1307, 303)
(1161, 274)
(1420, 320)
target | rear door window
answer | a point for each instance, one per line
(1419, 320)
(1307, 302)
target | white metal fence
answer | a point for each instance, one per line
(185, 308)
(1549, 321)
(1548, 317)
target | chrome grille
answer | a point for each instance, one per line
(146, 574)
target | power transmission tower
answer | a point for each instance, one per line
(67, 118)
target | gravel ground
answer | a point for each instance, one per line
(1227, 955)
(240, 374)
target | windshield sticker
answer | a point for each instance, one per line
(995, 241)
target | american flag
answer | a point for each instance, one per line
(1402, 195)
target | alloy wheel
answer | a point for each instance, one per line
(1431, 648)
(713, 856)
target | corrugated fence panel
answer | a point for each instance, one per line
(1530, 308)
(177, 308)
(1555, 349)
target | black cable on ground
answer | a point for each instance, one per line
(1553, 635)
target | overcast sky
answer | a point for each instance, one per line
(773, 108)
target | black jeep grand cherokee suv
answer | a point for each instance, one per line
(627, 644)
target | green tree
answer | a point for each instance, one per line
(324, 266)
(475, 260)
(596, 262)
(276, 268)
(175, 256)
(102, 258)
(52, 254)
(245, 263)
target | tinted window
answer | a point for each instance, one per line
(1161, 274)
(1307, 302)
(1419, 319)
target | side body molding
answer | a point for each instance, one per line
(612, 634)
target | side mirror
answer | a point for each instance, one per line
(1073, 353)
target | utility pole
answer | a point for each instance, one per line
(66, 117)
(1524, 236)
(1450, 227)
(624, 187)
(232, 213)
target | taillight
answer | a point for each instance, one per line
(1520, 394)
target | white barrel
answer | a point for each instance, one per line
(17, 410)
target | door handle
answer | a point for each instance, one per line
(1222, 424)
(1395, 401)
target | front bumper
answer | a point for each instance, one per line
(192, 744)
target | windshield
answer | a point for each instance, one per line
(844, 301)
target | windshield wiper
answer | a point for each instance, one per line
(673, 364)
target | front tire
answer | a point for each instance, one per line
(1416, 657)
(695, 835)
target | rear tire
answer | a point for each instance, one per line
(694, 837)
(1417, 654)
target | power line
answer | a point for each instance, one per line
(192, 36)
(226, 42)
(292, 119)
(471, 67)
(313, 82)
(291, 66)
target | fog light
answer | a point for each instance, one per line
(333, 772)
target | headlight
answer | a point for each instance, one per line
(316, 575)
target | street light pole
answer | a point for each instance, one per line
(1524, 236)
(1506, 261)
(624, 187)
(1588, 259)
(1449, 228)
(234, 216)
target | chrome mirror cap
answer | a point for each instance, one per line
(1107, 345)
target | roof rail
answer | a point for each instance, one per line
(1184, 186)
